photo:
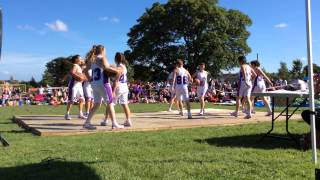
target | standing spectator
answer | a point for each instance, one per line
(41, 90)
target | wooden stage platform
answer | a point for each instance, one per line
(55, 125)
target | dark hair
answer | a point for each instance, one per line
(74, 58)
(202, 64)
(180, 62)
(242, 58)
(120, 58)
(255, 63)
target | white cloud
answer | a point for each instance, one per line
(281, 25)
(26, 27)
(104, 18)
(115, 20)
(58, 26)
(109, 19)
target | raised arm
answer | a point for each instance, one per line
(265, 76)
(253, 74)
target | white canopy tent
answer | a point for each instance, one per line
(311, 85)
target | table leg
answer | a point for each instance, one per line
(272, 121)
(287, 123)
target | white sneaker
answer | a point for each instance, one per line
(235, 114)
(81, 116)
(104, 122)
(67, 117)
(201, 113)
(248, 116)
(89, 126)
(189, 116)
(127, 123)
(117, 126)
(169, 110)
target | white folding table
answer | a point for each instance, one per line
(285, 112)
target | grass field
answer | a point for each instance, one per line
(230, 152)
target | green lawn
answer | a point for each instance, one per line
(230, 152)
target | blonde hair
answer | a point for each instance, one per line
(90, 55)
(98, 50)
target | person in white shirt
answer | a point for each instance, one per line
(181, 80)
(121, 88)
(75, 90)
(98, 64)
(259, 85)
(201, 77)
(245, 87)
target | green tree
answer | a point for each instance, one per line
(56, 72)
(195, 30)
(33, 82)
(296, 71)
(316, 69)
(283, 72)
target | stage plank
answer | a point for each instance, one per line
(55, 125)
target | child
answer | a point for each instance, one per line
(98, 64)
(121, 87)
(87, 88)
(75, 90)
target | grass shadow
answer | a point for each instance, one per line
(251, 141)
(50, 169)
(16, 131)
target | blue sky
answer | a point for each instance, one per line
(37, 31)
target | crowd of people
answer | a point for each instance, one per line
(139, 92)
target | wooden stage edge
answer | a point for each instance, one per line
(55, 125)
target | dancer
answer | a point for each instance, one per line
(75, 90)
(98, 64)
(260, 85)
(87, 88)
(121, 87)
(202, 78)
(171, 89)
(245, 87)
(181, 78)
